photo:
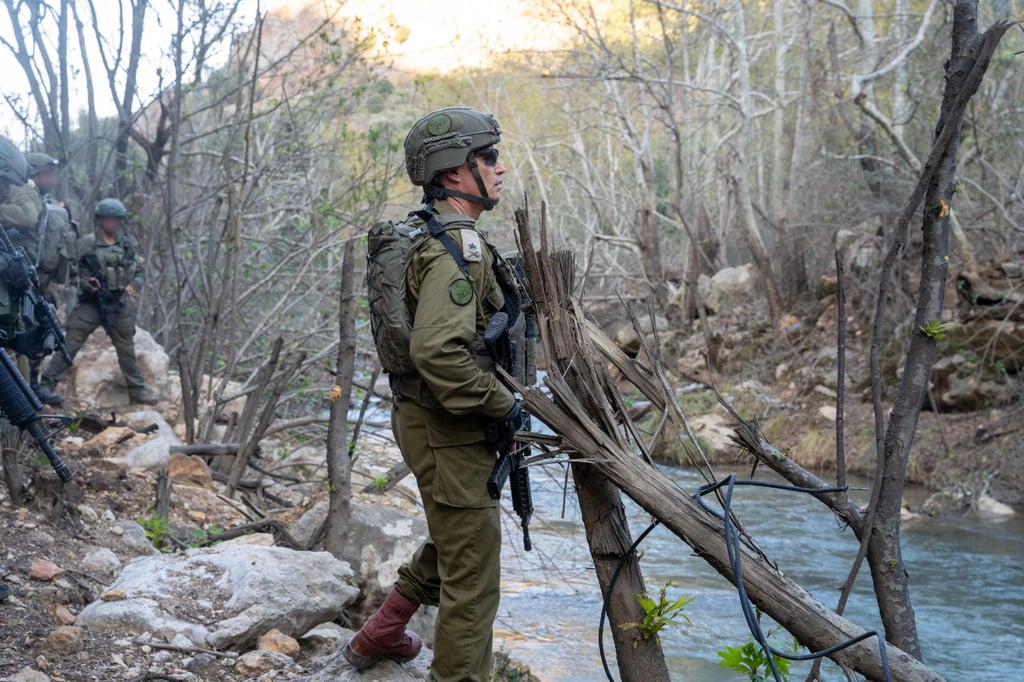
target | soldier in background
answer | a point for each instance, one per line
(19, 209)
(109, 276)
(49, 246)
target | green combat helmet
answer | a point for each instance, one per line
(38, 162)
(110, 208)
(446, 139)
(13, 169)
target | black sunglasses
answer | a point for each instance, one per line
(489, 156)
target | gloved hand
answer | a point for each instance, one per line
(501, 433)
(15, 273)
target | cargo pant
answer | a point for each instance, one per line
(458, 567)
(82, 321)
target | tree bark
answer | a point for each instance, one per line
(964, 72)
(339, 465)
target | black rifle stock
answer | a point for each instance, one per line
(33, 294)
(21, 407)
(510, 466)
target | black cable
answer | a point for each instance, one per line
(732, 543)
(608, 595)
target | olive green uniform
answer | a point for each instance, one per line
(438, 419)
(19, 214)
(114, 266)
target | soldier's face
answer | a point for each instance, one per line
(46, 181)
(109, 224)
(490, 168)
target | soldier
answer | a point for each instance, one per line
(442, 410)
(109, 275)
(48, 246)
(19, 207)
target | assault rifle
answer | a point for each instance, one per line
(510, 464)
(22, 408)
(38, 308)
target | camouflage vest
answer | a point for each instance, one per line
(114, 265)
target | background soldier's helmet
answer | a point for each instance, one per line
(39, 162)
(444, 139)
(13, 169)
(110, 208)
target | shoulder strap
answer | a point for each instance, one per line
(438, 230)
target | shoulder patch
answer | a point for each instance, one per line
(461, 291)
(472, 248)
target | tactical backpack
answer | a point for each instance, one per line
(389, 250)
(57, 236)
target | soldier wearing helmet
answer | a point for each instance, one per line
(109, 276)
(19, 211)
(48, 245)
(440, 411)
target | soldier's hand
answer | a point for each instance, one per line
(501, 433)
(131, 291)
(92, 285)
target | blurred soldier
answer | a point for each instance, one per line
(19, 209)
(49, 247)
(109, 275)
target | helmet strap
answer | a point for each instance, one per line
(484, 199)
(435, 191)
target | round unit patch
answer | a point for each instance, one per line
(439, 125)
(461, 291)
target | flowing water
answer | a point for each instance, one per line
(965, 579)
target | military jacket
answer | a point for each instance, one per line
(114, 265)
(20, 210)
(450, 315)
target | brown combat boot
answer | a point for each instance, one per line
(385, 636)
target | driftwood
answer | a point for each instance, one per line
(592, 426)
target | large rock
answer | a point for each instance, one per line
(96, 378)
(224, 597)
(380, 540)
(727, 288)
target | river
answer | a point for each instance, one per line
(965, 579)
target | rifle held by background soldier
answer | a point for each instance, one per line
(21, 407)
(36, 308)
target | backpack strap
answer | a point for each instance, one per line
(438, 230)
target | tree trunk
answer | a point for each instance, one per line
(339, 465)
(964, 72)
(604, 519)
